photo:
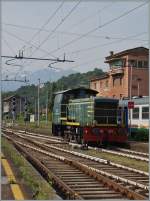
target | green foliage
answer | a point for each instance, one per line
(40, 188)
(65, 82)
(140, 134)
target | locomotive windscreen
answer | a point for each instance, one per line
(105, 111)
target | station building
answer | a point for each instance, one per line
(128, 74)
(7, 105)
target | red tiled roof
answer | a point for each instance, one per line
(106, 75)
(133, 50)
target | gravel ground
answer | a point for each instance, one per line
(140, 146)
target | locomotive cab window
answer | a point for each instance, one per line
(135, 113)
(145, 112)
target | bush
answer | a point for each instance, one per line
(39, 187)
(141, 134)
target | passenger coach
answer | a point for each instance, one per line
(140, 113)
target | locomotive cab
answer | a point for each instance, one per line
(60, 108)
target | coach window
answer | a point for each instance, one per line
(145, 112)
(135, 113)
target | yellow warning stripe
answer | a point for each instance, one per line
(8, 171)
(63, 118)
(18, 195)
(72, 123)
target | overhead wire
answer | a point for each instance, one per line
(105, 44)
(9, 47)
(93, 30)
(99, 27)
(8, 61)
(86, 34)
(91, 16)
(48, 20)
(80, 34)
(42, 27)
(25, 41)
(58, 25)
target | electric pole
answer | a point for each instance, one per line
(47, 108)
(130, 94)
(39, 102)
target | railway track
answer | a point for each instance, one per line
(74, 179)
(116, 151)
(128, 177)
(125, 153)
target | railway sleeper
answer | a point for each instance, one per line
(112, 196)
(88, 171)
(108, 182)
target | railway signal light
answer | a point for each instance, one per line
(13, 104)
(25, 106)
(25, 110)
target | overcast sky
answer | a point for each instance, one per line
(86, 31)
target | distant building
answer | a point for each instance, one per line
(129, 66)
(7, 105)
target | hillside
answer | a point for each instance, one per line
(65, 82)
(45, 75)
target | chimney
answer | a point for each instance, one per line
(111, 53)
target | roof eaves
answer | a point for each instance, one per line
(125, 52)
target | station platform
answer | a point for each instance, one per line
(10, 188)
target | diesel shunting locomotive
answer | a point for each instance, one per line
(78, 114)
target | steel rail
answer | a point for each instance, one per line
(127, 181)
(134, 152)
(91, 172)
(87, 156)
(103, 150)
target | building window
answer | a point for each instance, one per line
(116, 64)
(120, 81)
(145, 112)
(133, 63)
(101, 84)
(135, 113)
(121, 96)
(140, 64)
(134, 86)
(94, 85)
(113, 82)
(145, 64)
(106, 84)
(117, 81)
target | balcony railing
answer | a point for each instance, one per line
(115, 71)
